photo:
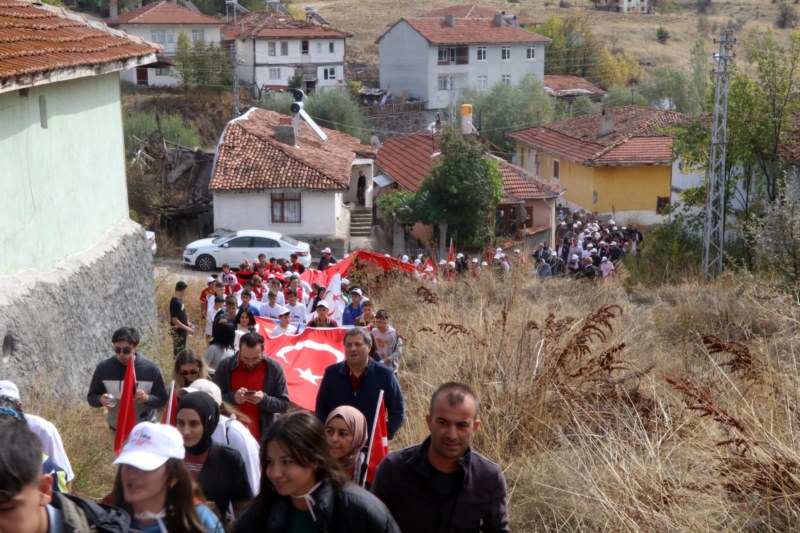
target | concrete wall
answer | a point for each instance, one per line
(403, 64)
(57, 325)
(255, 61)
(61, 186)
(319, 213)
(630, 188)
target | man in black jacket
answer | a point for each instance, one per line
(109, 375)
(442, 485)
(27, 501)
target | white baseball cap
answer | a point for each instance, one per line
(474, 259)
(8, 388)
(357, 291)
(417, 262)
(442, 262)
(404, 259)
(283, 310)
(326, 250)
(324, 304)
(459, 255)
(484, 263)
(209, 279)
(151, 445)
(345, 281)
(428, 268)
(203, 385)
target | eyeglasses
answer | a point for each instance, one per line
(126, 350)
(189, 372)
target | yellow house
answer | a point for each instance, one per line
(617, 162)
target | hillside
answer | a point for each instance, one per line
(635, 33)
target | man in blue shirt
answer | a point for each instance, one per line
(353, 311)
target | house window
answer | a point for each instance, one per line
(274, 74)
(483, 83)
(444, 55)
(662, 202)
(198, 36)
(162, 72)
(556, 170)
(271, 49)
(331, 47)
(505, 53)
(505, 79)
(284, 48)
(531, 53)
(443, 83)
(158, 36)
(329, 73)
(304, 47)
(458, 55)
(481, 53)
(285, 208)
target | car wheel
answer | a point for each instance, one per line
(205, 263)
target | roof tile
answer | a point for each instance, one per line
(570, 85)
(277, 26)
(163, 12)
(471, 31)
(36, 39)
(250, 158)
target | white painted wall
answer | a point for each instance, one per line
(319, 56)
(211, 35)
(402, 52)
(251, 210)
(61, 187)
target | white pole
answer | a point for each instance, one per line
(372, 433)
(169, 402)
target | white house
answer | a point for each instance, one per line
(273, 48)
(69, 250)
(161, 23)
(272, 172)
(435, 56)
(623, 6)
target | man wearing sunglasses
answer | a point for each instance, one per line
(109, 376)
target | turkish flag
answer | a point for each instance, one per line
(379, 446)
(304, 358)
(452, 255)
(333, 295)
(126, 416)
(429, 263)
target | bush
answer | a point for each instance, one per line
(173, 127)
(564, 3)
(703, 6)
(662, 35)
(671, 254)
(333, 109)
(787, 17)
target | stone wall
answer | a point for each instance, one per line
(385, 126)
(56, 326)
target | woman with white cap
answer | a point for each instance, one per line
(154, 487)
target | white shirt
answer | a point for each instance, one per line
(298, 312)
(269, 311)
(232, 433)
(210, 319)
(52, 445)
(278, 331)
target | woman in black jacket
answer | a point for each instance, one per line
(218, 470)
(304, 489)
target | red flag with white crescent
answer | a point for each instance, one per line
(126, 416)
(304, 358)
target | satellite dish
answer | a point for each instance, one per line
(297, 109)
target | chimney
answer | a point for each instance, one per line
(113, 9)
(466, 119)
(498, 20)
(606, 124)
(285, 132)
(449, 21)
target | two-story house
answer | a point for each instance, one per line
(435, 56)
(162, 23)
(623, 6)
(273, 48)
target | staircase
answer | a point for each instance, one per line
(360, 222)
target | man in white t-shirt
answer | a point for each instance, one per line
(297, 309)
(272, 308)
(283, 327)
(215, 308)
(47, 432)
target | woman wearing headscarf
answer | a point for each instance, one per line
(218, 470)
(346, 433)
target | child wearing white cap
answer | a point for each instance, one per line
(154, 486)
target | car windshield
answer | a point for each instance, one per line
(290, 240)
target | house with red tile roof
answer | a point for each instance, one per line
(434, 57)
(162, 23)
(274, 48)
(618, 161)
(68, 241)
(272, 172)
(528, 203)
(568, 88)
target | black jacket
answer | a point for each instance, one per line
(224, 478)
(403, 483)
(83, 516)
(276, 393)
(350, 510)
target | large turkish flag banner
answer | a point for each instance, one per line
(304, 358)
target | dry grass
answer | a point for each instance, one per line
(616, 409)
(632, 33)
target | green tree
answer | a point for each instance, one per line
(673, 89)
(332, 109)
(504, 108)
(184, 61)
(462, 191)
(574, 48)
(202, 65)
(616, 69)
(582, 105)
(619, 96)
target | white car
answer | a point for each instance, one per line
(234, 247)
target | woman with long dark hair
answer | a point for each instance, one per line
(154, 487)
(245, 322)
(221, 345)
(188, 368)
(218, 470)
(304, 489)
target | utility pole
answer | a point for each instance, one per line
(234, 64)
(714, 235)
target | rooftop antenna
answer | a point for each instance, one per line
(297, 110)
